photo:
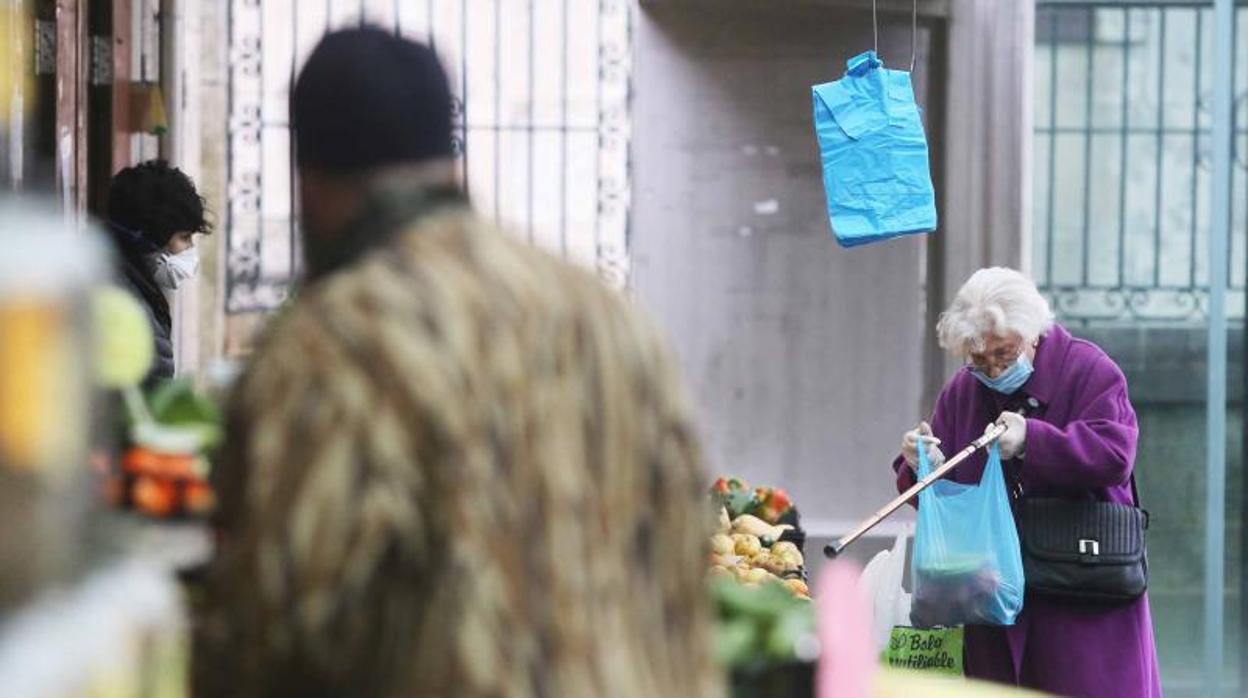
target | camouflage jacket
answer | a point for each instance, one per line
(458, 467)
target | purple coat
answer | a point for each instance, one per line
(1080, 443)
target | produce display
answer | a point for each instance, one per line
(757, 541)
(771, 505)
(164, 468)
(162, 484)
(765, 621)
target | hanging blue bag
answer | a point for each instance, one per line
(967, 566)
(874, 153)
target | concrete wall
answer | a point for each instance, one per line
(803, 357)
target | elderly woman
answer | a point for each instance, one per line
(1077, 440)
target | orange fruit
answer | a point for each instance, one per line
(153, 496)
(198, 498)
(144, 461)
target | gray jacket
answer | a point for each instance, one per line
(162, 332)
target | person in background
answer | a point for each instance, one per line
(454, 465)
(154, 214)
(1077, 441)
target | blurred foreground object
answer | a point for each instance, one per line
(45, 393)
(89, 607)
(764, 638)
(892, 683)
(117, 634)
(123, 343)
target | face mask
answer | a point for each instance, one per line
(1011, 379)
(172, 270)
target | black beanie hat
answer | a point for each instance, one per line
(367, 98)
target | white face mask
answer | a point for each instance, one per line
(173, 270)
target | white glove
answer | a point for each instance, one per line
(910, 446)
(1013, 442)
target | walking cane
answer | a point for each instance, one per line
(990, 436)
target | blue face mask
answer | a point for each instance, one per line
(1011, 379)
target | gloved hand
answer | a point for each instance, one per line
(1013, 442)
(910, 446)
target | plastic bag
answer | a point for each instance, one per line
(881, 584)
(874, 153)
(967, 565)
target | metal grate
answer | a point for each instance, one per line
(541, 113)
(1123, 168)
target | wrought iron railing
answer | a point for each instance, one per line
(541, 119)
(1122, 162)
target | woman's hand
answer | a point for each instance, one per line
(910, 446)
(1013, 442)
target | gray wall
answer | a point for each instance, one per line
(804, 358)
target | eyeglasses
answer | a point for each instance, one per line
(1001, 358)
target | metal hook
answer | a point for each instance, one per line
(914, 34)
(914, 31)
(875, 30)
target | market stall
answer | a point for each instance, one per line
(101, 497)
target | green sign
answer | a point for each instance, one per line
(938, 651)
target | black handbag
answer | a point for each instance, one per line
(1084, 550)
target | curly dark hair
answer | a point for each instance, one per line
(147, 204)
(156, 200)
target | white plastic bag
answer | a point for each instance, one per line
(881, 583)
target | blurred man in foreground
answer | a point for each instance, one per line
(455, 466)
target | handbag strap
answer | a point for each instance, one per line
(1014, 480)
(1014, 476)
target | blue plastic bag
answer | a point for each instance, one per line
(967, 566)
(874, 152)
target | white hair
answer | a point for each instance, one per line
(997, 300)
